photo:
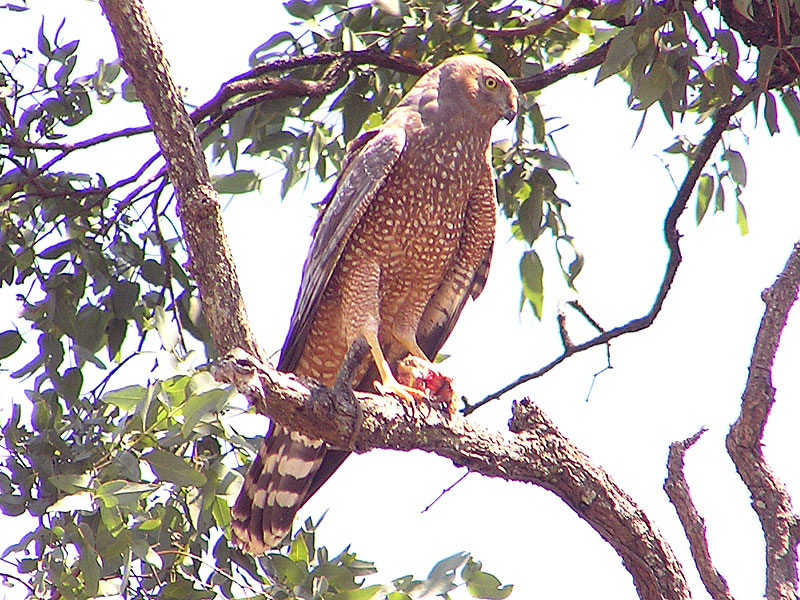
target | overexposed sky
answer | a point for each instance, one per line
(686, 371)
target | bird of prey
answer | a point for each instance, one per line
(405, 237)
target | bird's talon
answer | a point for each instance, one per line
(403, 392)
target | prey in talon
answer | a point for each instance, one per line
(421, 375)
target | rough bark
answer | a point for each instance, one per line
(693, 525)
(210, 261)
(770, 498)
(534, 452)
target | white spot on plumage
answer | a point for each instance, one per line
(259, 497)
(295, 467)
(304, 439)
(286, 499)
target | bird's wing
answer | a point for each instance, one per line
(445, 307)
(369, 162)
(466, 277)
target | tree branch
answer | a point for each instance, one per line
(770, 498)
(671, 236)
(210, 259)
(678, 492)
(534, 452)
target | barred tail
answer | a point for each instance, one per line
(274, 489)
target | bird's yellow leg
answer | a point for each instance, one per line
(388, 384)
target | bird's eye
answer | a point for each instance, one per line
(490, 83)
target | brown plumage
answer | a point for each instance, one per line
(404, 239)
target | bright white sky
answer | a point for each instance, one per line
(685, 372)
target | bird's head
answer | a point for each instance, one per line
(477, 87)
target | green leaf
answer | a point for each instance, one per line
(698, 22)
(580, 25)
(202, 404)
(285, 569)
(42, 42)
(486, 585)
(153, 272)
(550, 161)
(129, 91)
(608, 11)
(620, 53)
(537, 121)
(124, 295)
(301, 8)
(146, 552)
(653, 85)
(530, 217)
(126, 398)
(298, 551)
(71, 483)
(792, 104)
(89, 563)
(338, 576)
(69, 386)
(705, 188)
(120, 492)
(167, 331)
(238, 182)
(771, 113)
(56, 250)
(766, 59)
(371, 592)
(741, 218)
(440, 579)
(719, 198)
(736, 165)
(727, 42)
(532, 272)
(10, 342)
(115, 332)
(174, 469)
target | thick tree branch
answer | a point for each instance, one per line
(210, 259)
(770, 498)
(671, 236)
(534, 452)
(678, 492)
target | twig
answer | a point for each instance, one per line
(678, 492)
(600, 372)
(579, 308)
(445, 491)
(562, 330)
(671, 236)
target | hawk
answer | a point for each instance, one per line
(405, 237)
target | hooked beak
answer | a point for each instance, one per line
(511, 108)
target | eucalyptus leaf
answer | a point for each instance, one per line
(174, 469)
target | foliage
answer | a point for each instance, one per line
(130, 487)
